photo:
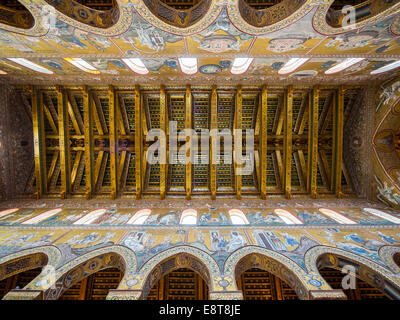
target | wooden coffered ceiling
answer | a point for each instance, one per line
(91, 141)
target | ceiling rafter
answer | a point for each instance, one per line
(287, 141)
(313, 142)
(38, 138)
(310, 162)
(113, 123)
(74, 114)
(139, 169)
(64, 143)
(338, 116)
(237, 153)
(88, 138)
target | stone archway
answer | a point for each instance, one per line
(81, 271)
(74, 271)
(274, 267)
(307, 285)
(368, 271)
(44, 258)
(179, 261)
(175, 262)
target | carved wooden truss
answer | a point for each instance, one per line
(92, 141)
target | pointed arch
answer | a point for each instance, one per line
(181, 256)
(172, 263)
(178, 18)
(390, 255)
(372, 273)
(74, 271)
(46, 257)
(18, 17)
(275, 263)
(40, 26)
(268, 16)
(105, 23)
(29, 259)
(184, 23)
(86, 15)
(259, 22)
(329, 22)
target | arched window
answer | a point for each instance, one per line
(240, 65)
(188, 216)
(4, 213)
(136, 65)
(188, 65)
(287, 217)
(382, 215)
(90, 217)
(42, 216)
(30, 65)
(139, 217)
(238, 217)
(336, 216)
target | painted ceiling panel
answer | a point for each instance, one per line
(216, 39)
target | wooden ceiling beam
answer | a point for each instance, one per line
(213, 126)
(99, 115)
(88, 136)
(39, 142)
(97, 170)
(75, 185)
(325, 113)
(63, 128)
(75, 168)
(303, 114)
(163, 144)
(189, 143)
(264, 142)
(279, 117)
(74, 114)
(287, 140)
(313, 142)
(302, 168)
(138, 142)
(53, 164)
(113, 123)
(237, 151)
(122, 117)
(338, 117)
(50, 118)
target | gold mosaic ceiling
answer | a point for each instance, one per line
(215, 32)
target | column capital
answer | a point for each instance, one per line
(226, 295)
(335, 294)
(20, 294)
(124, 294)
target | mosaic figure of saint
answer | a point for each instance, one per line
(279, 45)
(355, 40)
